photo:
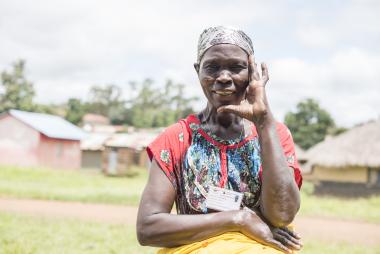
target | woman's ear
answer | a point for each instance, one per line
(196, 67)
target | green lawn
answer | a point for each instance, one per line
(92, 186)
(20, 234)
(364, 209)
(84, 185)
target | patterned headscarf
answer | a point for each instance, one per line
(223, 35)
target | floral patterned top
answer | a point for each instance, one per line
(194, 159)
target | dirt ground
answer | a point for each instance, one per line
(324, 229)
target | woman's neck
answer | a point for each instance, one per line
(223, 125)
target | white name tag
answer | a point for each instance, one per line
(223, 200)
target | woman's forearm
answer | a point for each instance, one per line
(280, 199)
(157, 227)
(170, 230)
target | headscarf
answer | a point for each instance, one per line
(223, 35)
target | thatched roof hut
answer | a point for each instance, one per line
(301, 154)
(347, 164)
(357, 147)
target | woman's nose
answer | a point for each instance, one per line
(224, 77)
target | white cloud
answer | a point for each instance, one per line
(313, 52)
(347, 84)
(315, 36)
(354, 23)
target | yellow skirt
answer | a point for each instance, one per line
(228, 243)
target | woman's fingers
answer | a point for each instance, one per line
(251, 63)
(289, 234)
(287, 239)
(254, 73)
(287, 242)
(264, 71)
(235, 109)
(243, 110)
(292, 233)
(278, 245)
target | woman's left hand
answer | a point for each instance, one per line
(254, 107)
(253, 226)
(287, 237)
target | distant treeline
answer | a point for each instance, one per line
(143, 105)
(147, 105)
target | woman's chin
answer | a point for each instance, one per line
(221, 103)
(226, 100)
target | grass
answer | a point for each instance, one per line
(93, 187)
(363, 209)
(84, 185)
(20, 234)
(317, 247)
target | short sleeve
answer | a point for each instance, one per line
(288, 147)
(167, 148)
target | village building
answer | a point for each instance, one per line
(34, 139)
(126, 150)
(89, 120)
(301, 155)
(100, 124)
(347, 164)
(92, 149)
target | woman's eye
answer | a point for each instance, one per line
(237, 68)
(212, 67)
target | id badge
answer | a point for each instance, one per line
(223, 200)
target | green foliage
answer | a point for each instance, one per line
(18, 93)
(155, 107)
(47, 109)
(336, 131)
(107, 101)
(74, 111)
(309, 124)
(147, 106)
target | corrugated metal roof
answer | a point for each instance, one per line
(94, 141)
(49, 125)
(137, 140)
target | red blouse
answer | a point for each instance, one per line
(189, 157)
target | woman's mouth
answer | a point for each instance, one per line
(223, 92)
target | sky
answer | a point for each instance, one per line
(327, 50)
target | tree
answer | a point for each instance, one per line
(309, 124)
(18, 93)
(75, 110)
(107, 101)
(145, 104)
(150, 106)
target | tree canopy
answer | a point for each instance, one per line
(146, 104)
(158, 107)
(310, 123)
(18, 93)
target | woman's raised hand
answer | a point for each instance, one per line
(254, 107)
(279, 238)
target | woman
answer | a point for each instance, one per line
(231, 151)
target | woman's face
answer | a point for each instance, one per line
(223, 74)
